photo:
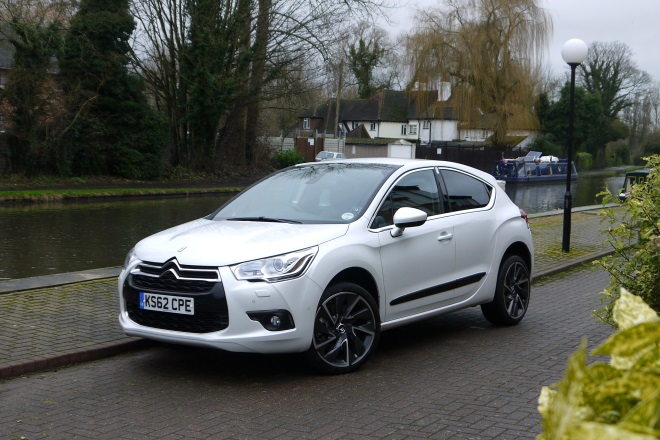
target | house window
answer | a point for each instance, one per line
(413, 129)
(306, 124)
(372, 127)
(404, 128)
(427, 125)
(354, 125)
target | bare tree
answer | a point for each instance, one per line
(611, 73)
(271, 38)
(159, 45)
(654, 102)
(491, 51)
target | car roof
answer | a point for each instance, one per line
(410, 164)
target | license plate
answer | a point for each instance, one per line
(167, 303)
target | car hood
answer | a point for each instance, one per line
(220, 243)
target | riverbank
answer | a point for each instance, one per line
(49, 195)
(15, 188)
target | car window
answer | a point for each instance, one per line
(315, 193)
(464, 191)
(418, 189)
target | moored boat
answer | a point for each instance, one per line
(631, 178)
(534, 167)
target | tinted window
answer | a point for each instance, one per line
(464, 191)
(415, 190)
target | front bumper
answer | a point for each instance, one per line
(221, 312)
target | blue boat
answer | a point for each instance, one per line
(534, 167)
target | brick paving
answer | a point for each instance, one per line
(76, 322)
(451, 377)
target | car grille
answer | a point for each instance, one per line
(169, 283)
(171, 278)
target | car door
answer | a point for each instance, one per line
(475, 224)
(417, 266)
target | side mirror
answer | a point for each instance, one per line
(407, 218)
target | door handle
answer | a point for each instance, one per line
(445, 236)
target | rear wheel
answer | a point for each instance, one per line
(512, 294)
(346, 329)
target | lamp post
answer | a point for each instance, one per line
(574, 52)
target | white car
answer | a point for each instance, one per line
(321, 257)
(329, 155)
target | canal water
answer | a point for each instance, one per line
(59, 237)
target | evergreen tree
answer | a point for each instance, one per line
(363, 59)
(113, 130)
(32, 95)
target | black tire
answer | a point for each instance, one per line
(346, 329)
(512, 293)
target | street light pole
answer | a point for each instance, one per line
(574, 53)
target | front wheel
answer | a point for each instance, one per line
(511, 295)
(346, 329)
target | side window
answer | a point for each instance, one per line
(464, 191)
(415, 190)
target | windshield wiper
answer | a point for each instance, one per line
(263, 219)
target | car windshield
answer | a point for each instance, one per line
(314, 193)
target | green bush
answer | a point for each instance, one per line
(615, 400)
(287, 158)
(585, 161)
(635, 237)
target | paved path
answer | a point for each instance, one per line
(453, 377)
(72, 318)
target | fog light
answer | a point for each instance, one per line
(273, 320)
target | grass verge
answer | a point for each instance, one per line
(46, 195)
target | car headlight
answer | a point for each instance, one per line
(278, 268)
(129, 258)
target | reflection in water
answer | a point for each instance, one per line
(41, 239)
(542, 197)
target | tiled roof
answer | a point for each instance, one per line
(387, 106)
(359, 132)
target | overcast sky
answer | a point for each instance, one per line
(633, 22)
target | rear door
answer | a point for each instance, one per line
(475, 223)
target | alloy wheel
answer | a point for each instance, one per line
(344, 330)
(516, 290)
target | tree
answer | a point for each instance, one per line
(588, 122)
(159, 51)
(490, 50)
(31, 98)
(112, 128)
(364, 56)
(251, 48)
(637, 118)
(610, 72)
